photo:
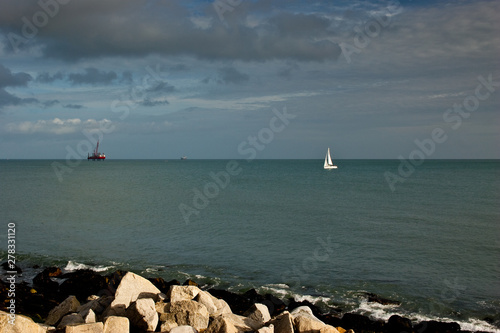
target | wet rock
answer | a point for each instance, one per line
(43, 280)
(133, 287)
(142, 314)
(435, 327)
(331, 319)
(7, 266)
(360, 323)
(162, 285)
(253, 296)
(69, 305)
(190, 282)
(114, 324)
(293, 305)
(114, 279)
(238, 303)
(377, 299)
(274, 304)
(83, 283)
(397, 324)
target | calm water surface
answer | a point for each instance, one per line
(282, 226)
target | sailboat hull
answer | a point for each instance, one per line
(328, 167)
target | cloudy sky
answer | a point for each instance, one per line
(167, 78)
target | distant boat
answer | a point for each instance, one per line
(328, 161)
(96, 155)
(184, 158)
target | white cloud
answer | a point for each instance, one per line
(55, 126)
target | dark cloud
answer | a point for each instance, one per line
(48, 78)
(50, 103)
(231, 75)
(286, 72)
(127, 77)
(149, 102)
(93, 28)
(300, 25)
(73, 106)
(160, 87)
(9, 79)
(179, 68)
(92, 76)
(206, 80)
(7, 99)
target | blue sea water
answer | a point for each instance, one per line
(283, 226)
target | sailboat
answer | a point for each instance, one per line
(328, 161)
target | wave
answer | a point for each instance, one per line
(349, 301)
(378, 311)
(373, 310)
(72, 266)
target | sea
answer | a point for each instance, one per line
(425, 235)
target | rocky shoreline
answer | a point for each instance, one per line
(85, 301)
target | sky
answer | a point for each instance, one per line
(161, 79)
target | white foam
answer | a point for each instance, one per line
(384, 312)
(280, 289)
(312, 299)
(478, 325)
(73, 266)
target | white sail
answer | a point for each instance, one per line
(328, 161)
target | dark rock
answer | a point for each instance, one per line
(293, 305)
(360, 323)
(433, 326)
(43, 281)
(238, 303)
(114, 280)
(7, 266)
(28, 301)
(377, 299)
(253, 296)
(397, 324)
(190, 282)
(83, 283)
(275, 305)
(331, 319)
(162, 285)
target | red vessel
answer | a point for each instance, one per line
(96, 155)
